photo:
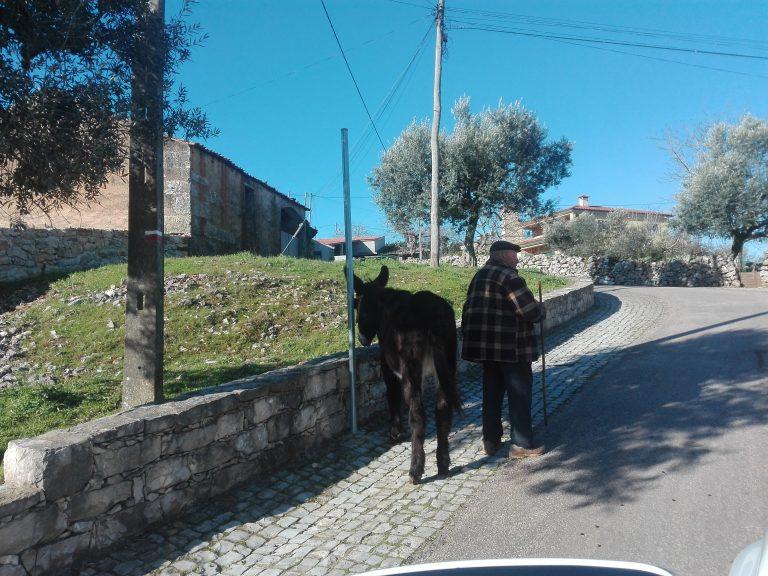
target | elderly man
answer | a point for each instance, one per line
(497, 326)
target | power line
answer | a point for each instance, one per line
(659, 59)
(306, 66)
(518, 32)
(495, 16)
(386, 104)
(349, 68)
(648, 57)
(586, 25)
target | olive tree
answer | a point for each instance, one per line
(494, 160)
(403, 178)
(724, 183)
(65, 90)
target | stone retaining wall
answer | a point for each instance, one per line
(34, 252)
(76, 492)
(715, 270)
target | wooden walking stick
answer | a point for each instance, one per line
(543, 361)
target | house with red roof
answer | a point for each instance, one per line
(529, 234)
(331, 248)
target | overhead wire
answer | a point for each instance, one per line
(310, 65)
(535, 34)
(636, 55)
(618, 29)
(352, 75)
(386, 104)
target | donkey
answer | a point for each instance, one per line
(417, 335)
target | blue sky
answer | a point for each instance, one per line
(272, 80)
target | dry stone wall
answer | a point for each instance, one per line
(715, 270)
(33, 252)
(76, 492)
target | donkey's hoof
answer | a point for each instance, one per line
(395, 436)
(414, 479)
(443, 471)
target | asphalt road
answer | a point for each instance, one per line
(662, 457)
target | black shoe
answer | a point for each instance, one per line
(491, 447)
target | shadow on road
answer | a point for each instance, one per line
(654, 412)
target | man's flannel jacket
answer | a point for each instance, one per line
(497, 321)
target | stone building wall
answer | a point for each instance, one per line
(35, 252)
(203, 199)
(109, 211)
(218, 213)
(76, 492)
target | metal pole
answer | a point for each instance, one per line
(543, 361)
(350, 278)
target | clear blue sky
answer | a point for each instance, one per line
(272, 80)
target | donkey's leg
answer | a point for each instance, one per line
(443, 417)
(394, 393)
(445, 398)
(412, 388)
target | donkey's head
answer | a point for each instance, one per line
(368, 305)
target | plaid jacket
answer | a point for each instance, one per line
(497, 321)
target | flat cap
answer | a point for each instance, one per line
(500, 245)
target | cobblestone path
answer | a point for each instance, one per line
(352, 509)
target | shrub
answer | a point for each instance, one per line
(621, 238)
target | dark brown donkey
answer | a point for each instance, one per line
(417, 335)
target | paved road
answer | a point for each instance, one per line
(352, 509)
(662, 458)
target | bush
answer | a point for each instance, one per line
(620, 237)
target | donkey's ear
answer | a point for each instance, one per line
(383, 277)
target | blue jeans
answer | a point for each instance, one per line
(516, 379)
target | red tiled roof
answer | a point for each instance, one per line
(341, 239)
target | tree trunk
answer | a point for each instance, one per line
(469, 240)
(737, 245)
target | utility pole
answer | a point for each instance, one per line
(434, 239)
(143, 380)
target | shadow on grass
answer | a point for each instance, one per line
(16, 294)
(179, 382)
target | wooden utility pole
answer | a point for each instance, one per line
(143, 381)
(434, 239)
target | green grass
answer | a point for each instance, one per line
(211, 329)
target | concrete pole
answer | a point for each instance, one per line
(434, 240)
(143, 379)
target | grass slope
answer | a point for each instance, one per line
(226, 317)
